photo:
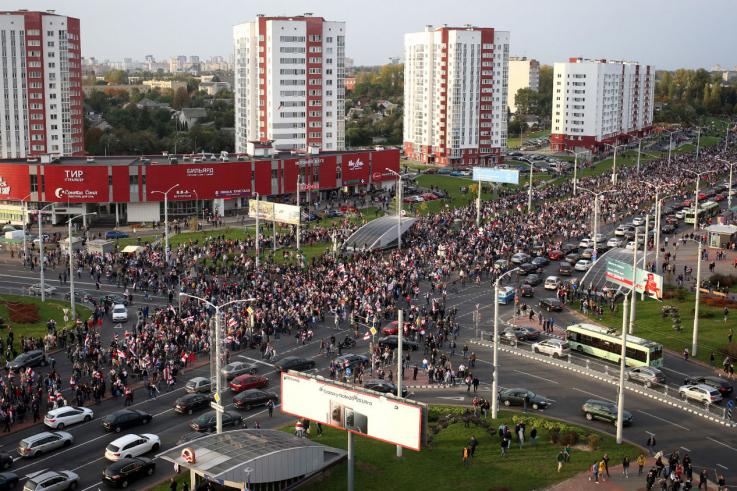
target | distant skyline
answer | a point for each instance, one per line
(668, 34)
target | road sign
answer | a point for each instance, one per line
(66, 311)
(217, 398)
(730, 404)
(250, 310)
(66, 318)
(404, 212)
(373, 331)
(217, 406)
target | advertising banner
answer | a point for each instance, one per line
(377, 417)
(621, 274)
(14, 181)
(489, 174)
(286, 213)
(355, 169)
(77, 183)
(264, 209)
(213, 180)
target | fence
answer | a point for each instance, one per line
(607, 372)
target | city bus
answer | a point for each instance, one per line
(706, 210)
(606, 343)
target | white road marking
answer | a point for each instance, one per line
(87, 463)
(93, 486)
(651, 434)
(720, 443)
(595, 395)
(725, 468)
(665, 420)
(537, 376)
(675, 371)
(684, 448)
(452, 398)
(256, 361)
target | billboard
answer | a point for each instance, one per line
(355, 169)
(213, 180)
(80, 183)
(645, 282)
(14, 181)
(265, 209)
(491, 174)
(383, 418)
(286, 213)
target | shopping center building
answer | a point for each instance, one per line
(130, 189)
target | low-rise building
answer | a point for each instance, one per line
(192, 115)
(165, 84)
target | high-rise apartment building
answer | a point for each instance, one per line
(41, 80)
(523, 73)
(455, 95)
(289, 83)
(597, 103)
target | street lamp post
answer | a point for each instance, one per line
(166, 220)
(575, 171)
(696, 205)
(41, 249)
(596, 218)
(657, 219)
(622, 364)
(614, 165)
(698, 143)
(25, 239)
(695, 338)
(729, 192)
(299, 218)
(529, 184)
(71, 265)
(196, 206)
(399, 209)
(218, 361)
(478, 206)
(258, 250)
(495, 380)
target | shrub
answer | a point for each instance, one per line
(681, 294)
(728, 280)
(554, 435)
(569, 438)
(729, 351)
(594, 442)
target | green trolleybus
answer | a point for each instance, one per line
(606, 343)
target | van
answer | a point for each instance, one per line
(554, 347)
(506, 295)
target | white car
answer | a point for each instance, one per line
(681, 214)
(619, 230)
(120, 313)
(638, 221)
(553, 347)
(65, 416)
(132, 446)
(630, 245)
(614, 242)
(585, 243)
(552, 283)
(583, 265)
(700, 393)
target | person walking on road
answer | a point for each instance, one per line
(651, 444)
(270, 406)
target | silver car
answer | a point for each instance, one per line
(232, 370)
(35, 445)
(52, 481)
(198, 384)
(700, 393)
(36, 289)
(648, 376)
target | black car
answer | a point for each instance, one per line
(565, 269)
(551, 304)
(528, 332)
(668, 228)
(724, 387)
(573, 257)
(294, 363)
(209, 421)
(568, 248)
(349, 360)
(528, 268)
(125, 471)
(392, 342)
(189, 437)
(533, 279)
(527, 290)
(124, 419)
(248, 399)
(5, 460)
(114, 299)
(384, 387)
(192, 402)
(541, 261)
(33, 358)
(516, 397)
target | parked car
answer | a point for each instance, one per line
(125, 471)
(248, 399)
(189, 403)
(120, 313)
(528, 332)
(294, 363)
(516, 397)
(36, 289)
(44, 442)
(208, 421)
(551, 304)
(384, 387)
(700, 393)
(605, 411)
(124, 419)
(718, 383)
(67, 415)
(248, 381)
(554, 347)
(114, 234)
(552, 283)
(233, 369)
(392, 342)
(52, 481)
(33, 358)
(649, 376)
(198, 384)
(132, 445)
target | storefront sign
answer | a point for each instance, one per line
(309, 161)
(355, 164)
(4, 186)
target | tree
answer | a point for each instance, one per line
(117, 77)
(545, 92)
(92, 136)
(526, 100)
(89, 79)
(181, 98)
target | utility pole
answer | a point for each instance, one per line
(258, 215)
(299, 207)
(399, 209)
(71, 269)
(400, 372)
(478, 206)
(634, 283)
(698, 294)
(622, 364)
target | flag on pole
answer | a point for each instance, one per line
(366, 336)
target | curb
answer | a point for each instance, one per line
(583, 371)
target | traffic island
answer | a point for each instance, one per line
(440, 464)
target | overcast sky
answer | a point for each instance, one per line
(666, 33)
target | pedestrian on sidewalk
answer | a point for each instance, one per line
(605, 460)
(595, 472)
(602, 468)
(641, 463)
(626, 467)
(650, 479)
(704, 476)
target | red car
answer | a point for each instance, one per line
(431, 171)
(248, 381)
(556, 254)
(688, 202)
(429, 197)
(392, 328)
(348, 208)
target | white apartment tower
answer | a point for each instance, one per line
(455, 95)
(523, 73)
(597, 103)
(289, 83)
(41, 82)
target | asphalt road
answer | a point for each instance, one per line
(710, 445)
